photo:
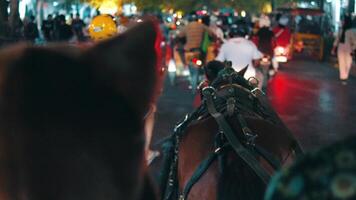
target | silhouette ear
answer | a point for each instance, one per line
(242, 71)
(130, 60)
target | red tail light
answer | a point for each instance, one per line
(197, 61)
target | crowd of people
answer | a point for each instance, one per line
(52, 29)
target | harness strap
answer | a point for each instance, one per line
(198, 173)
(297, 150)
(241, 151)
(270, 158)
(274, 162)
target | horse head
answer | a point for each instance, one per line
(71, 120)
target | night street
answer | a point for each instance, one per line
(307, 95)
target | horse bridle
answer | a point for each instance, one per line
(209, 94)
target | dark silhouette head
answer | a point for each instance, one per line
(238, 30)
(212, 69)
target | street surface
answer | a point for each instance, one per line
(307, 95)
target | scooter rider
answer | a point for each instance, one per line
(282, 34)
(194, 32)
(240, 51)
(266, 40)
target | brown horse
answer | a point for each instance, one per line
(71, 120)
(229, 146)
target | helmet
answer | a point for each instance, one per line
(102, 27)
(283, 21)
(238, 30)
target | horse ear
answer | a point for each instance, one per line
(242, 71)
(130, 59)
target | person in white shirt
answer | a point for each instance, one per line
(240, 51)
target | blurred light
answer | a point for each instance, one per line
(108, 7)
(178, 23)
(199, 62)
(267, 8)
(55, 3)
(185, 72)
(169, 19)
(281, 59)
(129, 9)
(243, 13)
(328, 1)
(175, 15)
(133, 8)
(313, 3)
(22, 7)
(204, 12)
(179, 14)
(279, 50)
(265, 59)
(172, 66)
(337, 8)
(139, 20)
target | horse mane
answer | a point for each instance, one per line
(70, 125)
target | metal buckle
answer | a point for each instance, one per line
(209, 90)
(254, 84)
(255, 90)
(176, 128)
(250, 137)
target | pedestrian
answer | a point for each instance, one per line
(78, 26)
(240, 51)
(31, 30)
(194, 33)
(64, 31)
(48, 28)
(344, 50)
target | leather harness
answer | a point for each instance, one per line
(246, 149)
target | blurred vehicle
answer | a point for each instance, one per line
(307, 34)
